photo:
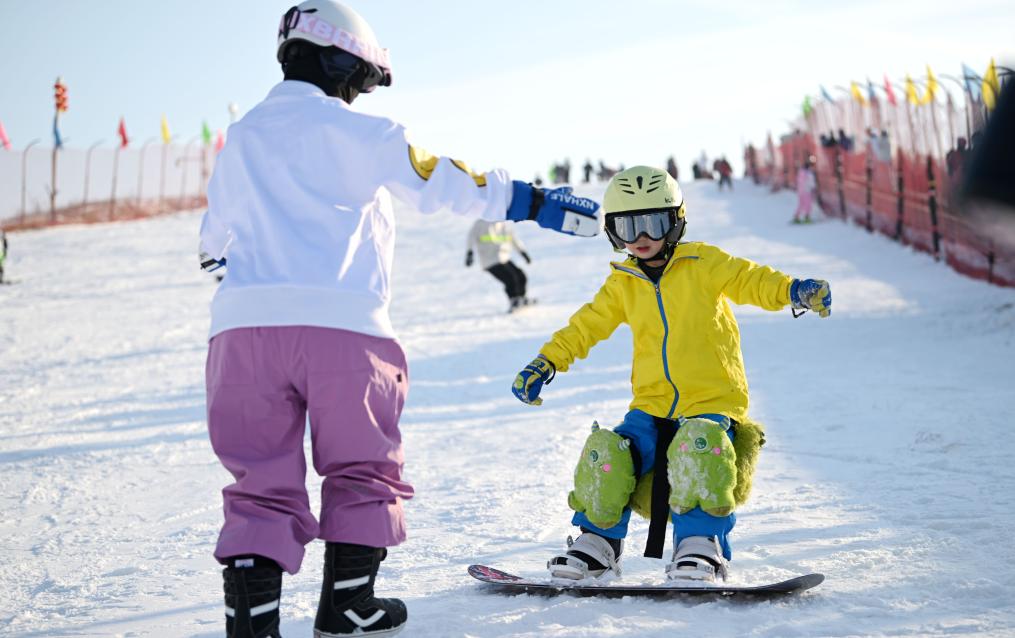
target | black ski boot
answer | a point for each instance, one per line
(348, 605)
(253, 586)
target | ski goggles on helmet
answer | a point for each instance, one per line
(654, 224)
(350, 69)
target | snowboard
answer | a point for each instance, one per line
(529, 302)
(506, 583)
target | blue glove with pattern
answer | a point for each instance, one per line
(811, 294)
(530, 381)
(555, 209)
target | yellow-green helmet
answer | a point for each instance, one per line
(641, 190)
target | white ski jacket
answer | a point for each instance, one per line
(298, 205)
(493, 242)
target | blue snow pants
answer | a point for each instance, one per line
(639, 427)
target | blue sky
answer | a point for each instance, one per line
(498, 84)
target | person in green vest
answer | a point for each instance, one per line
(493, 243)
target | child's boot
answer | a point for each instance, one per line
(348, 605)
(591, 556)
(253, 588)
(698, 558)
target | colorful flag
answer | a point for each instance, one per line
(807, 108)
(911, 94)
(854, 90)
(166, 137)
(972, 80)
(991, 86)
(871, 95)
(889, 93)
(825, 95)
(928, 97)
(4, 141)
(57, 140)
(220, 141)
(122, 131)
(205, 133)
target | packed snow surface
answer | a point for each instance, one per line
(888, 465)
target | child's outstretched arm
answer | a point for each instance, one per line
(592, 323)
(746, 282)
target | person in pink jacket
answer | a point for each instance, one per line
(806, 182)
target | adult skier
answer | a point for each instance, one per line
(299, 207)
(688, 421)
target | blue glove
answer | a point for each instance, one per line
(555, 209)
(530, 381)
(811, 294)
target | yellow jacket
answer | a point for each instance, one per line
(687, 357)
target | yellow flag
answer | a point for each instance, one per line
(165, 131)
(911, 94)
(928, 97)
(854, 90)
(991, 86)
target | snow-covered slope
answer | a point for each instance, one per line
(887, 466)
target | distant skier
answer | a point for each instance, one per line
(299, 207)
(806, 183)
(671, 167)
(688, 420)
(725, 171)
(493, 242)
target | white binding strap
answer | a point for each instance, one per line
(353, 616)
(256, 611)
(352, 582)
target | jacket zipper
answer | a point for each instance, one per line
(666, 365)
(666, 329)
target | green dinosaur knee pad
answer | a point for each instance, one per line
(702, 468)
(604, 478)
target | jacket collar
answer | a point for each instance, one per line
(298, 88)
(630, 265)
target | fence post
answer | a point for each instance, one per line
(52, 190)
(838, 179)
(24, 178)
(112, 192)
(902, 198)
(870, 177)
(932, 206)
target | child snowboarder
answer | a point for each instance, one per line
(688, 421)
(299, 208)
(806, 182)
(494, 241)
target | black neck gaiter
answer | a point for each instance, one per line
(308, 69)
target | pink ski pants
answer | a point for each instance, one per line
(261, 384)
(805, 200)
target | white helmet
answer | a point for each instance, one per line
(327, 23)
